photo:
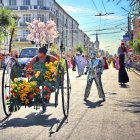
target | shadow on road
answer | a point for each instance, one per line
(30, 120)
(93, 104)
(34, 119)
(131, 106)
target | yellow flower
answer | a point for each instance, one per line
(37, 74)
(15, 79)
(54, 79)
(18, 88)
(33, 84)
(26, 101)
(50, 80)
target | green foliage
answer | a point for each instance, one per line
(54, 49)
(5, 17)
(7, 22)
(79, 48)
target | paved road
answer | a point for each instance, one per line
(116, 119)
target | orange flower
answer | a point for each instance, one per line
(30, 69)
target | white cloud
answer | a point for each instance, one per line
(73, 9)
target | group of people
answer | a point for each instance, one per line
(92, 65)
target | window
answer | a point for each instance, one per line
(1, 1)
(40, 2)
(25, 33)
(26, 2)
(26, 18)
(12, 2)
(41, 17)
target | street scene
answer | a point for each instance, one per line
(117, 118)
(69, 70)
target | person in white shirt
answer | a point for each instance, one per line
(78, 60)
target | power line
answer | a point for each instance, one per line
(103, 6)
(99, 30)
(95, 6)
(104, 33)
(110, 22)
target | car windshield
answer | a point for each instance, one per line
(28, 52)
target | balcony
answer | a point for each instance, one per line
(12, 7)
(22, 24)
(24, 7)
(23, 39)
(36, 7)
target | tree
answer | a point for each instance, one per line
(7, 24)
(42, 33)
(54, 49)
(79, 48)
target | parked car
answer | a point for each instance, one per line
(26, 54)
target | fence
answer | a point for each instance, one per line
(136, 65)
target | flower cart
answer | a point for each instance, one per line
(42, 80)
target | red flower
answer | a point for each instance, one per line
(47, 89)
(27, 75)
(37, 90)
(29, 69)
(14, 94)
(31, 96)
(47, 97)
(6, 97)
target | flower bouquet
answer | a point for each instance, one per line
(37, 90)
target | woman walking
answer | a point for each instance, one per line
(123, 77)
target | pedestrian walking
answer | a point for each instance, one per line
(117, 65)
(123, 77)
(73, 62)
(95, 70)
(83, 63)
(128, 63)
(78, 60)
(105, 64)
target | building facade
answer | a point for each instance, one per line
(69, 33)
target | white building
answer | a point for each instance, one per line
(81, 37)
(27, 10)
(67, 27)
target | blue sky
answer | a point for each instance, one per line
(84, 12)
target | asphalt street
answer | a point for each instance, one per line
(118, 118)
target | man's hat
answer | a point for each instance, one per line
(43, 50)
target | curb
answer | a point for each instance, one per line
(137, 72)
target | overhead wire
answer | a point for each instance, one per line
(105, 11)
(95, 6)
(104, 33)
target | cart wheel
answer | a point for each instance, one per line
(57, 84)
(10, 71)
(65, 89)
